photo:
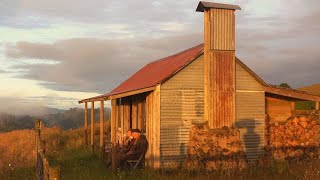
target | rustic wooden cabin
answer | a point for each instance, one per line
(204, 83)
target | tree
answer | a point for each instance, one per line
(285, 85)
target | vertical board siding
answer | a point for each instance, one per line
(250, 113)
(220, 89)
(152, 109)
(181, 103)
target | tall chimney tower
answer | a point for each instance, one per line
(219, 63)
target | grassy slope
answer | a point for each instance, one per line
(313, 89)
(66, 149)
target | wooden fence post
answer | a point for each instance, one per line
(38, 138)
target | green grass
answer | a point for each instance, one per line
(79, 164)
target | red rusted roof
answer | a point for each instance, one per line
(158, 71)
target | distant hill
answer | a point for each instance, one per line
(31, 110)
(72, 118)
(313, 89)
(66, 119)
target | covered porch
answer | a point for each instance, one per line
(281, 103)
(138, 109)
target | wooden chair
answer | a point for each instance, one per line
(134, 163)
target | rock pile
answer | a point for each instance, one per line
(296, 138)
(214, 149)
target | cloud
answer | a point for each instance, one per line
(270, 39)
(17, 106)
(3, 71)
(39, 13)
(93, 65)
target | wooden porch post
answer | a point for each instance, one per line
(92, 126)
(156, 127)
(317, 105)
(113, 120)
(102, 128)
(86, 123)
(113, 131)
(292, 105)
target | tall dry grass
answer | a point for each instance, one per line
(17, 149)
(67, 149)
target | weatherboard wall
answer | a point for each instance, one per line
(181, 104)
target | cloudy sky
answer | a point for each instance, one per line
(54, 53)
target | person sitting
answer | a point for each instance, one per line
(138, 146)
(126, 142)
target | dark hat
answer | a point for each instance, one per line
(136, 130)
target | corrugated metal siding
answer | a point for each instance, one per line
(181, 103)
(250, 113)
(221, 26)
(245, 81)
(220, 88)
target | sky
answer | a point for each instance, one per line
(54, 53)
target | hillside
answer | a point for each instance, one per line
(313, 89)
(72, 118)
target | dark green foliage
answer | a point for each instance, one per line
(305, 105)
(10, 122)
(285, 85)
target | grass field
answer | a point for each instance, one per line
(66, 149)
(314, 89)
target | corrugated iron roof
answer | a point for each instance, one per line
(158, 71)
